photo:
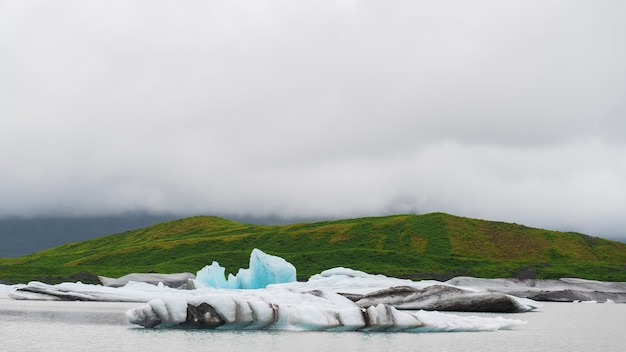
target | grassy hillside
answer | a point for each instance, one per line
(417, 246)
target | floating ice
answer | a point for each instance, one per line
(179, 280)
(336, 300)
(562, 290)
(266, 296)
(6, 290)
(70, 291)
(281, 309)
(264, 270)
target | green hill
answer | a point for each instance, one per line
(433, 245)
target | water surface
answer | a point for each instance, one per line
(102, 326)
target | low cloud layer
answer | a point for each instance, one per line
(506, 111)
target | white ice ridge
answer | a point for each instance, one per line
(264, 270)
(277, 308)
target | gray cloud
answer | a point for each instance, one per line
(509, 111)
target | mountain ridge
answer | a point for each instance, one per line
(435, 245)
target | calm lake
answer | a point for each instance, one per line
(96, 326)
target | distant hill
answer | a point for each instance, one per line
(433, 245)
(21, 236)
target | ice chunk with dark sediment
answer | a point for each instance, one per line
(443, 298)
(561, 290)
(278, 309)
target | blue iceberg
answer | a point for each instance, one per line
(264, 270)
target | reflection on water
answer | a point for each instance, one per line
(96, 326)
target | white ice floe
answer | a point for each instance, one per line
(266, 296)
(70, 291)
(562, 290)
(5, 290)
(178, 280)
(280, 309)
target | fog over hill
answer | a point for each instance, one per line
(509, 111)
(20, 236)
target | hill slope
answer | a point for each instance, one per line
(21, 236)
(433, 245)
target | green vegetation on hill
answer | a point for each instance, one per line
(433, 245)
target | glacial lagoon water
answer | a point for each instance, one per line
(100, 326)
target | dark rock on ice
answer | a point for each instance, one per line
(203, 314)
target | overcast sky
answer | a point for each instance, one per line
(501, 110)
